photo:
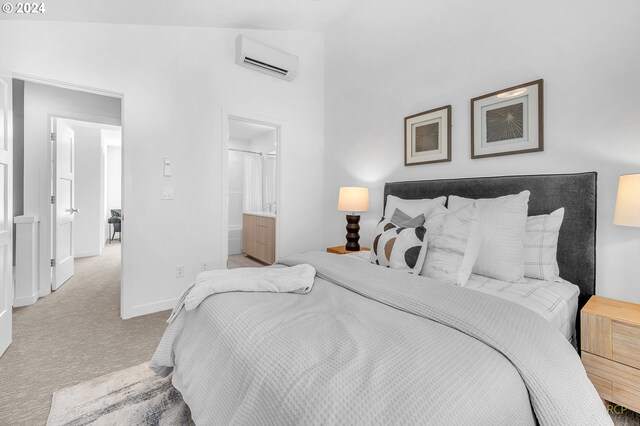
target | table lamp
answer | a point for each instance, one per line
(628, 201)
(353, 199)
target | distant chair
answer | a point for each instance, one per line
(116, 221)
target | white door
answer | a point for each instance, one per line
(6, 222)
(64, 206)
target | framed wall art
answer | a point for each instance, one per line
(427, 137)
(509, 121)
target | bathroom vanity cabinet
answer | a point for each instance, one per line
(259, 236)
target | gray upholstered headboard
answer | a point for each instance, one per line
(575, 192)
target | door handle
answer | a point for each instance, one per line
(74, 211)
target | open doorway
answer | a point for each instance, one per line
(67, 186)
(86, 188)
(252, 192)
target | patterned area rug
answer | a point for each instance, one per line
(135, 396)
(624, 417)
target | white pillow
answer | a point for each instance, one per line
(453, 242)
(399, 248)
(412, 207)
(502, 226)
(541, 246)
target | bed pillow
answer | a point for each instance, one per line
(541, 246)
(502, 223)
(453, 242)
(397, 247)
(400, 218)
(412, 208)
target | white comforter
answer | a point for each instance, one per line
(370, 346)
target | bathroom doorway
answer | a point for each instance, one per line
(251, 192)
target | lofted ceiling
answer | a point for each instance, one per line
(312, 15)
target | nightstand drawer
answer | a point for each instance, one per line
(595, 334)
(627, 397)
(603, 386)
(626, 343)
(616, 372)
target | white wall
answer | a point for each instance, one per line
(40, 102)
(87, 225)
(176, 82)
(114, 178)
(393, 59)
(104, 229)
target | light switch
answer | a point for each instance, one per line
(167, 166)
(166, 193)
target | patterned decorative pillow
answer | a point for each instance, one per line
(541, 246)
(397, 247)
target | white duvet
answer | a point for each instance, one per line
(370, 346)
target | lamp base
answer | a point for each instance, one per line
(352, 232)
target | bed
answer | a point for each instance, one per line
(369, 345)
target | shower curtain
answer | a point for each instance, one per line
(252, 183)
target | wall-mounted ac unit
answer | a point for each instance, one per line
(266, 59)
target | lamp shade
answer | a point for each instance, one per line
(353, 199)
(628, 201)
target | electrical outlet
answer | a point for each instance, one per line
(166, 193)
(204, 266)
(180, 271)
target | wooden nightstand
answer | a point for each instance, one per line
(342, 250)
(610, 343)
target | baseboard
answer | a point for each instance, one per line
(19, 302)
(149, 308)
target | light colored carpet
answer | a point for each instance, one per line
(71, 336)
(135, 396)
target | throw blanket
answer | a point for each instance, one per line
(297, 279)
(370, 345)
